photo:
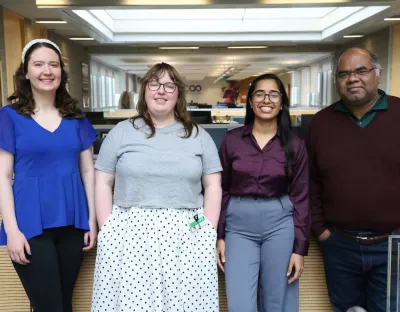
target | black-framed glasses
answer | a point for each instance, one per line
(358, 73)
(154, 85)
(273, 96)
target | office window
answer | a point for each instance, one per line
(103, 90)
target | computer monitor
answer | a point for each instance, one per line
(201, 117)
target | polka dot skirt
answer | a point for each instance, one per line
(149, 260)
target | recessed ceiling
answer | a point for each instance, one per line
(213, 64)
(222, 25)
(287, 31)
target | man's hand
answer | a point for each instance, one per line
(324, 236)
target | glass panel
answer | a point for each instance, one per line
(393, 277)
(93, 90)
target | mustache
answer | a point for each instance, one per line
(352, 84)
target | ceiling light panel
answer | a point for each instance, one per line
(50, 21)
(176, 14)
(247, 47)
(353, 36)
(287, 13)
(81, 38)
(178, 48)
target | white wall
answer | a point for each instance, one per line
(211, 92)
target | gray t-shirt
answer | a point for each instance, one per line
(163, 171)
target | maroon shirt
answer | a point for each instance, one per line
(250, 171)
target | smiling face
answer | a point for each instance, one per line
(356, 89)
(44, 70)
(266, 100)
(161, 102)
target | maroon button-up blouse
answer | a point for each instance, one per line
(250, 171)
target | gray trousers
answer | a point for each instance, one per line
(259, 242)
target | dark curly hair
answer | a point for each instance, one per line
(181, 113)
(65, 103)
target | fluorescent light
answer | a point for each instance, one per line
(50, 22)
(248, 47)
(353, 36)
(392, 19)
(178, 48)
(81, 38)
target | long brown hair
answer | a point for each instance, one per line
(65, 103)
(181, 113)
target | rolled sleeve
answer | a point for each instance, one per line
(299, 195)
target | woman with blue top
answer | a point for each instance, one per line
(48, 213)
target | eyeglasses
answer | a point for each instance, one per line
(273, 96)
(358, 73)
(169, 87)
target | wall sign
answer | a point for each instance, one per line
(194, 88)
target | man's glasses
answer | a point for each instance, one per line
(360, 72)
(169, 87)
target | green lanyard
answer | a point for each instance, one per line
(196, 222)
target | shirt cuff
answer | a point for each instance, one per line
(301, 247)
(318, 229)
(221, 232)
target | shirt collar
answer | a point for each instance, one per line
(248, 129)
(381, 104)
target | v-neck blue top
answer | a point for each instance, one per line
(48, 190)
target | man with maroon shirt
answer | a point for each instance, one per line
(354, 154)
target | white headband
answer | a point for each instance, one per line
(31, 43)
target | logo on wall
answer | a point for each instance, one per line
(194, 88)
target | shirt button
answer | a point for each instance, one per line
(360, 123)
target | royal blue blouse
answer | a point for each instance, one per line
(48, 190)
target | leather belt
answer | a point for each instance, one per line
(365, 239)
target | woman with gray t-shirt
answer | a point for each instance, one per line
(156, 245)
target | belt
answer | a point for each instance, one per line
(364, 239)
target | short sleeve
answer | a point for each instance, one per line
(108, 154)
(210, 157)
(87, 134)
(7, 132)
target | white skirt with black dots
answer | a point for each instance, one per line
(149, 260)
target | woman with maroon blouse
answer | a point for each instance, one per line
(264, 224)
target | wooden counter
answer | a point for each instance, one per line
(233, 112)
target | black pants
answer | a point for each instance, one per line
(50, 277)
